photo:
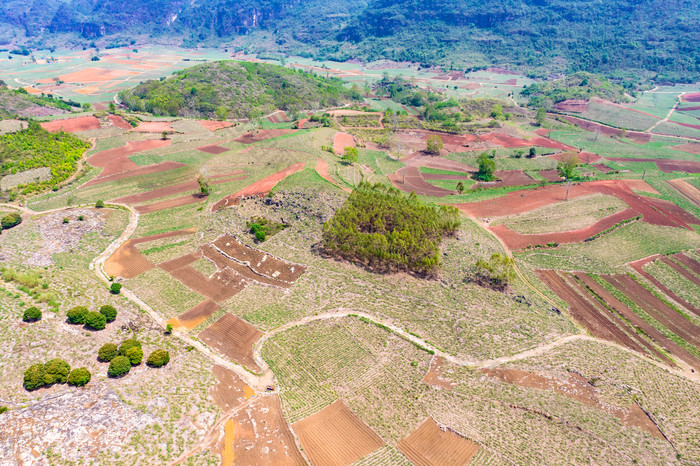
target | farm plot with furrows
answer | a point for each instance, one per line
(198, 314)
(687, 190)
(688, 262)
(234, 338)
(681, 269)
(219, 287)
(432, 445)
(163, 292)
(385, 456)
(685, 294)
(335, 436)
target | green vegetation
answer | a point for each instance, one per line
(34, 377)
(115, 288)
(128, 344)
(19, 102)
(109, 312)
(245, 90)
(79, 377)
(95, 320)
(10, 220)
(77, 315)
(107, 352)
(496, 273)
(386, 231)
(158, 358)
(35, 147)
(434, 144)
(580, 85)
(135, 355)
(32, 314)
(56, 371)
(119, 366)
(486, 168)
(263, 227)
(351, 155)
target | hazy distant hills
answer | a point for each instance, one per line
(609, 36)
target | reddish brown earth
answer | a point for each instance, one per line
(182, 261)
(603, 168)
(666, 166)
(654, 211)
(242, 271)
(116, 161)
(656, 308)
(640, 185)
(234, 338)
(577, 106)
(322, 170)
(687, 190)
(431, 445)
(341, 141)
(515, 240)
(91, 75)
(198, 314)
(691, 148)
(434, 375)
(410, 179)
(688, 109)
(119, 122)
(584, 157)
(334, 436)
(438, 176)
(687, 274)
(213, 149)
(170, 203)
(220, 287)
(634, 136)
(694, 97)
(229, 391)
(260, 188)
(639, 267)
(421, 159)
(179, 188)
(250, 138)
(508, 178)
(153, 127)
(689, 262)
(637, 322)
(147, 170)
(551, 175)
(213, 125)
(72, 125)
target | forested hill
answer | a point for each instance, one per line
(238, 90)
(607, 36)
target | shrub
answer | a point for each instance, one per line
(115, 288)
(57, 371)
(34, 377)
(158, 358)
(79, 377)
(169, 329)
(99, 204)
(109, 312)
(128, 344)
(434, 144)
(95, 320)
(32, 314)
(107, 352)
(135, 355)
(3, 409)
(10, 220)
(119, 366)
(486, 168)
(496, 273)
(77, 315)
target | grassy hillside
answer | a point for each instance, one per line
(237, 90)
(581, 86)
(17, 102)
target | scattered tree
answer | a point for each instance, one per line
(79, 377)
(567, 170)
(109, 312)
(164, 135)
(221, 111)
(541, 116)
(460, 187)
(169, 329)
(34, 377)
(128, 344)
(107, 352)
(434, 144)
(57, 371)
(135, 355)
(158, 358)
(497, 112)
(95, 320)
(204, 189)
(99, 204)
(115, 288)
(351, 154)
(32, 314)
(77, 315)
(486, 168)
(119, 366)
(112, 107)
(532, 153)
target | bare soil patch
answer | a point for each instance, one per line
(153, 127)
(687, 190)
(220, 287)
(603, 168)
(641, 185)
(689, 262)
(116, 160)
(692, 97)
(691, 148)
(234, 338)
(128, 262)
(666, 166)
(260, 188)
(252, 137)
(335, 436)
(508, 178)
(72, 125)
(119, 122)
(432, 445)
(551, 175)
(213, 125)
(229, 391)
(635, 136)
(213, 149)
(410, 179)
(198, 314)
(576, 106)
(341, 141)
(91, 75)
(434, 375)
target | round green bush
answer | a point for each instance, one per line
(158, 358)
(128, 344)
(135, 355)
(34, 377)
(109, 312)
(99, 204)
(119, 366)
(115, 288)
(95, 320)
(77, 315)
(107, 352)
(32, 314)
(10, 220)
(57, 371)
(79, 377)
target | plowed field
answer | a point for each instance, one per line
(666, 166)
(222, 286)
(551, 175)
(229, 391)
(687, 190)
(434, 375)
(213, 149)
(72, 125)
(250, 138)
(234, 338)
(410, 179)
(334, 436)
(153, 127)
(687, 274)
(212, 125)
(639, 267)
(341, 141)
(429, 445)
(259, 188)
(322, 169)
(198, 314)
(119, 122)
(170, 203)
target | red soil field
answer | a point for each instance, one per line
(590, 314)
(420, 159)
(636, 321)
(261, 436)
(341, 141)
(198, 314)
(634, 136)
(551, 175)
(687, 274)
(302, 122)
(213, 125)
(656, 308)
(689, 262)
(687, 125)
(666, 166)
(694, 97)
(182, 261)
(220, 287)
(438, 176)
(508, 178)
(242, 272)
(234, 338)
(686, 189)
(577, 106)
(260, 188)
(434, 375)
(170, 203)
(229, 391)
(515, 240)
(213, 149)
(119, 122)
(147, 170)
(603, 168)
(250, 138)
(584, 157)
(90, 75)
(654, 211)
(153, 127)
(410, 179)
(334, 436)
(179, 188)
(72, 125)
(640, 185)
(639, 267)
(322, 170)
(116, 160)
(691, 148)
(688, 109)
(429, 445)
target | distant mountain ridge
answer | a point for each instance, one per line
(609, 36)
